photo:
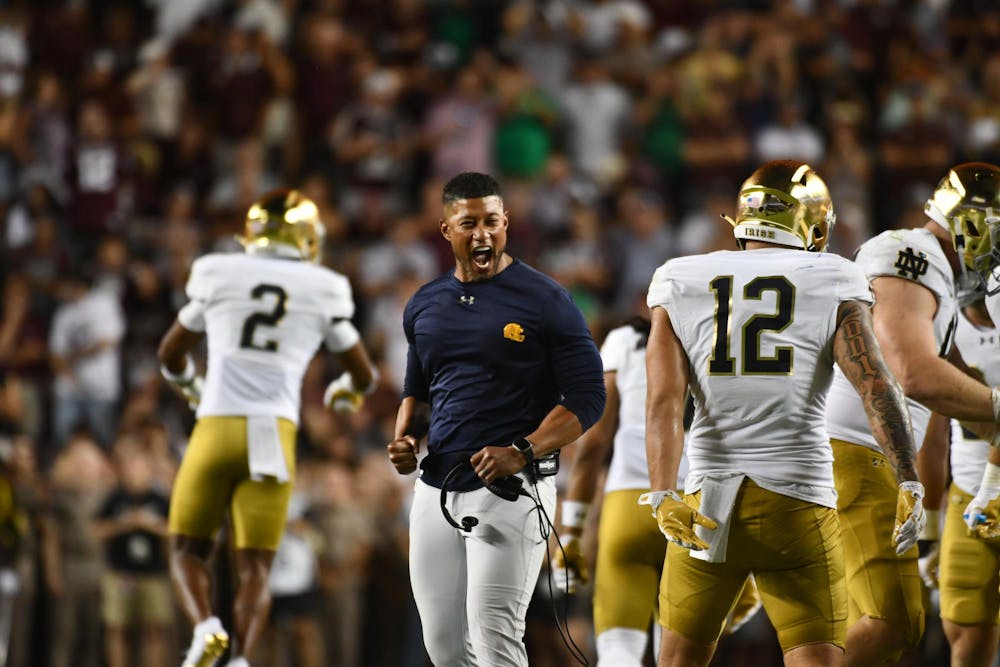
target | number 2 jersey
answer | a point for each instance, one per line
(911, 254)
(758, 328)
(264, 318)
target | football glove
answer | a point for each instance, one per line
(910, 516)
(980, 522)
(569, 565)
(928, 564)
(677, 519)
(187, 383)
(342, 397)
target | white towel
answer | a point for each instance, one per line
(264, 453)
(718, 497)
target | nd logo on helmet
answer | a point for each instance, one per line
(514, 332)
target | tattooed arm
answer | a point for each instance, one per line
(857, 352)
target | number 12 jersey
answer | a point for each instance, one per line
(758, 327)
(264, 318)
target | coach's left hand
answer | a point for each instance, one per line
(491, 463)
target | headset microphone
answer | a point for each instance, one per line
(508, 488)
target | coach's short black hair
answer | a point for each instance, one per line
(469, 185)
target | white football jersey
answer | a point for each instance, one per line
(264, 318)
(914, 254)
(758, 329)
(993, 301)
(980, 349)
(624, 352)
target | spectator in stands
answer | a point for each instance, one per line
(29, 492)
(71, 554)
(135, 589)
(84, 341)
(98, 178)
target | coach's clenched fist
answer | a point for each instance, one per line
(403, 454)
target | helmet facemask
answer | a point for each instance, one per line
(967, 203)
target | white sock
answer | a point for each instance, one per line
(238, 662)
(621, 647)
(210, 626)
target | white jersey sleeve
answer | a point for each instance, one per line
(264, 319)
(913, 254)
(910, 254)
(980, 348)
(757, 327)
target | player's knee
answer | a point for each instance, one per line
(971, 645)
(880, 638)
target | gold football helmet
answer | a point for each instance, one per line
(967, 203)
(787, 203)
(284, 223)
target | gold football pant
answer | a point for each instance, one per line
(630, 552)
(214, 476)
(793, 549)
(969, 570)
(880, 584)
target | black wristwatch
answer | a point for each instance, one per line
(523, 445)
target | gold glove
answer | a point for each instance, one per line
(910, 516)
(569, 565)
(677, 519)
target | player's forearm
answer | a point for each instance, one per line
(664, 445)
(593, 446)
(591, 450)
(945, 389)
(667, 374)
(932, 461)
(176, 343)
(857, 352)
(355, 360)
(988, 431)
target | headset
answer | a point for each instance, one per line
(511, 488)
(508, 488)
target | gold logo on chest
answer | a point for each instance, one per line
(514, 331)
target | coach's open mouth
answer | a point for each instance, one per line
(482, 256)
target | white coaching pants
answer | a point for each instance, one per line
(472, 589)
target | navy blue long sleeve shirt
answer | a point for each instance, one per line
(492, 358)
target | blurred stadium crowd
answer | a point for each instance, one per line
(135, 134)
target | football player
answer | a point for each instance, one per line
(914, 274)
(969, 571)
(264, 312)
(630, 548)
(755, 334)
